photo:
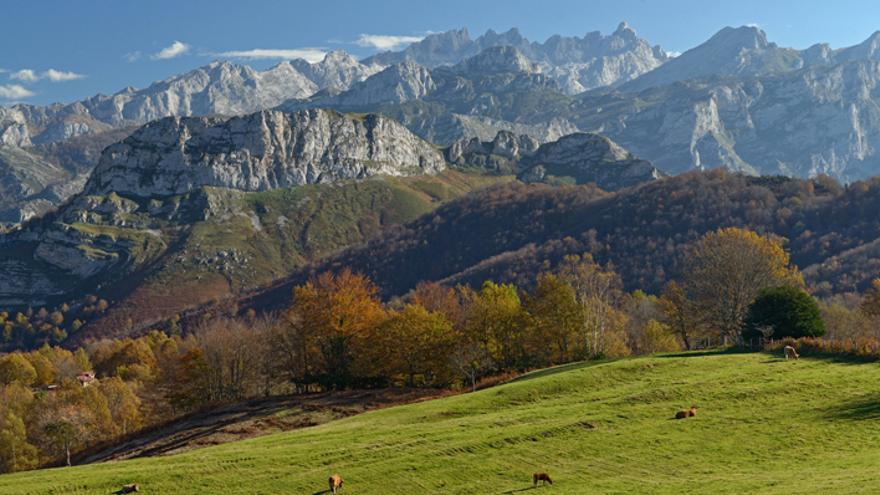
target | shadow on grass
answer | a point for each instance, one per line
(865, 409)
(508, 492)
(562, 368)
(705, 352)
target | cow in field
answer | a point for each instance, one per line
(335, 483)
(790, 352)
(687, 413)
(544, 478)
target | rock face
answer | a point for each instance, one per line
(590, 158)
(497, 89)
(155, 181)
(731, 51)
(497, 59)
(577, 64)
(582, 157)
(396, 84)
(217, 88)
(338, 70)
(265, 150)
(745, 51)
(802, 123)
(221, 88)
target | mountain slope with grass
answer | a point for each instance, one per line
(764, 425)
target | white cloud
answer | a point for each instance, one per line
(62, 75)
(25, 75)
(14, 92)
(309, 54)
(30, 76)
(386, 41)
(132, 56)
(176, 49)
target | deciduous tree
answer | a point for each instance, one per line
(727, 268)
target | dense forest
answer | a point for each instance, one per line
(511, 232)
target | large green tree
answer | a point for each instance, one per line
(784, 312)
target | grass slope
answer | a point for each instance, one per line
(271, 234)
(764, 426)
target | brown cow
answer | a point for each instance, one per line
(688, 413)
(544, 478)
(335, 483)
(790, 352)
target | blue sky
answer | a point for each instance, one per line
(96, 46)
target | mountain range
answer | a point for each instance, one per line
(722, 103)
(230, 184)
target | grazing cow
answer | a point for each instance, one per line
(687, 413)
(544, 478)
(132, 488)
(335, 483)
(790, 352)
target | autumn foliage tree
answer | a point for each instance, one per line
(495, 318)
(598, 290)
(555, 320)
(680, 313)
(339, 312)
(727, 269)
(416, 343)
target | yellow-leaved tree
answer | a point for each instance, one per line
(726, 270)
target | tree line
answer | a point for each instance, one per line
(338, 333)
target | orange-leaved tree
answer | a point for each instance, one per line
(340, 312)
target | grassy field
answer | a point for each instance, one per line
(764, 426)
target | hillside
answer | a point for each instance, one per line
(263, 236)
(764, 425)
(644, 231)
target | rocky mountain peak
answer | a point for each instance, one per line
(502, 58)
(866, 50)
(625, 32)
(740, 38)
(337, 70)
(260, 151)
(731, 51)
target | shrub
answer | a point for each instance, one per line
(863, 348)
(788, 311)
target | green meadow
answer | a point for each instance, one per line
(764, 425)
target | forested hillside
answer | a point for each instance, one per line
(828, 228)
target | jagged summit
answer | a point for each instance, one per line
(731, 51)
(578, 64)
(503, 58)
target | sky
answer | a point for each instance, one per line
(65, 50)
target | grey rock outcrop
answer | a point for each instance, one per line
(261, 151)
(590, 158)
(731, 51)
(339, 70)
(582, 157)
(396, 84)
(819, 120)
